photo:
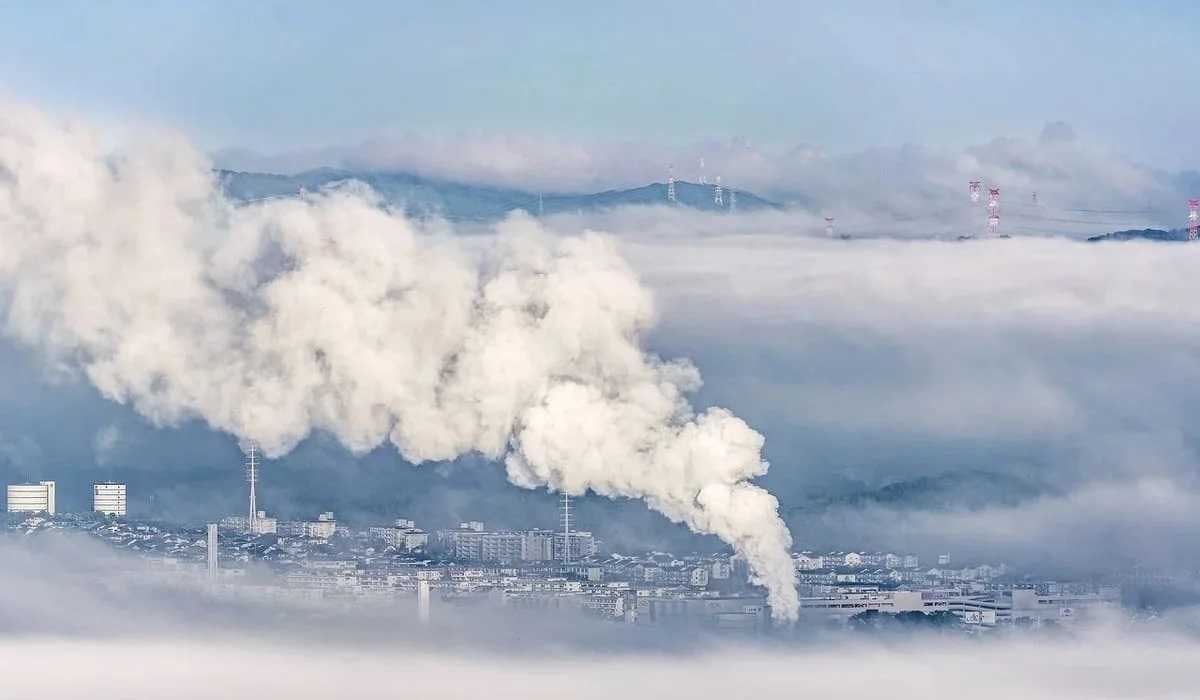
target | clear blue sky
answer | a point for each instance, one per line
(279, 75)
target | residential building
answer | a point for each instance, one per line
(265, 525)
(807, 561)
(504, 547)
(405, 535)
(109, 499)
(31, 498)
(539, 545)
(322, 528)
(580, 545)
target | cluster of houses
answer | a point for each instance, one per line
(816, 572)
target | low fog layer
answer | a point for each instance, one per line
(75, 616)
(1055, 378)
(1086, 669)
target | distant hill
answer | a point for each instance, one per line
(1148, 234)
(424, 197)
(972, 489)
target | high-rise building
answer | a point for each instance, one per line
(504, 547)
(31, 498)
(109, 499)
(578, 544)
(539, 545)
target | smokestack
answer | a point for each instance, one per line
(423, 600)
(371, 332)
(212, 551)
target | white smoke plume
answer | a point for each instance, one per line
(329, 312)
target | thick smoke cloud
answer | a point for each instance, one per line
(327, 312)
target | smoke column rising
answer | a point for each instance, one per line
(329, 312)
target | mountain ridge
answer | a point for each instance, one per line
(972, 489)
(1147, 234)
(425, 197)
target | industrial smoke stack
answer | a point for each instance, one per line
(329, 312)
(213, 551)
(423, 600)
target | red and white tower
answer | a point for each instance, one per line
(718, 193)
(993, 207)
(829, 226)
(973, 190)
(1193, 219)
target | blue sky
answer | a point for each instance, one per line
(282, 75)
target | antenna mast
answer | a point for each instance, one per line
(252, 477)
(671, 185)
(718, 193)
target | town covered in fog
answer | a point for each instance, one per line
(557, 573)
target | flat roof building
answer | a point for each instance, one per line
(109, 499)
(31, 498)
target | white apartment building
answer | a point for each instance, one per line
(406, 537)
(807, 561)
(322, 528)
(31, 498)
(109, 499)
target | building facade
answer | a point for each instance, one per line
(109, 499)
(31, 498)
